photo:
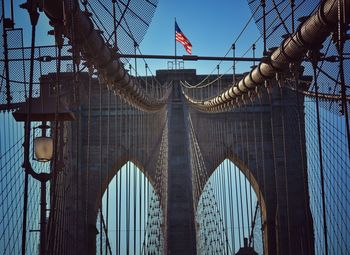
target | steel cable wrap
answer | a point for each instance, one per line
(310, 34)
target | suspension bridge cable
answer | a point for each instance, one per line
(342, 27)
(259, 167)
(77, 175)
(280, 17)
(116, 175)
(100, 167)
(108, 165)
(304, 169)
(276, 18)
(134, 95)
(127, 196)
(34, 19)
(88, 134)
(237, 195)
(321, 162)
(221, 101)
(249, 179)
(119, 210)
(285, 159)
(265, 36)
(188, 86)
(138, 48)
(232, 221)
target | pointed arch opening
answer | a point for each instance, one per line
(229, 215)
(130, 220)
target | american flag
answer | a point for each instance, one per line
(181, 38)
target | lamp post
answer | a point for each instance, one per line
(43, 178)
(42, 109)
(43, 151)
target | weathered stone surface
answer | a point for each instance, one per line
(263, 140)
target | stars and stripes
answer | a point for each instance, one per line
(181, 38)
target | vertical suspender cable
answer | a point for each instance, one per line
(237, 200)
(127, 193)
(134, 168)
(217, 203)
(263, 165)
(78, 167)
(278, 206)
(146, 85)
(53, 185)
(144, 211)
(222, 213)
(285, 170)
(107, 166)
(232, 221)
(134, 191)
(249, 180)
(119, 230)
(143, 215)
(12, 15)
(258, 174)
(25, 197)
(116, 135)
(341, 32)
(263, 5)
(245, 159)
(233, 63)
(253, 48)
(88, 158)
(148, 215)
(292, 6)
(24, 70)
(138, 186)
(218, 78)
(116, 175)
(101, 165)
(118, 124)
(217, 209)
(34, 15)
(324, 213)
(139, 182)
(6, 61)
(115, 25)
(223, 182)
(227, 190)
(73, 42)
(300, 117)
(133, 183)
(127, 208)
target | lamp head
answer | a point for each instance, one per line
(43, 145)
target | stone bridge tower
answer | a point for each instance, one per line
(282, 148)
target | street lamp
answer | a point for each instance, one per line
(41, 109)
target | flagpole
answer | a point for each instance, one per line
(175, 43)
